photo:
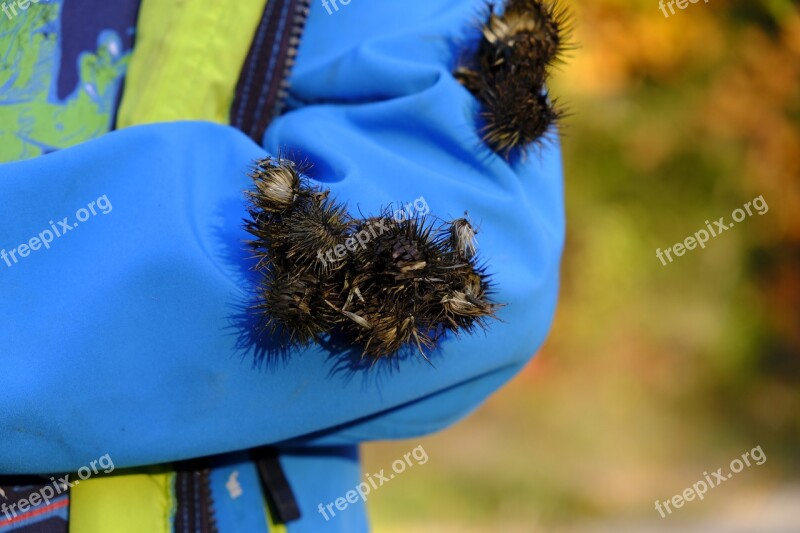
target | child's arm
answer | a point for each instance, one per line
(122, 335)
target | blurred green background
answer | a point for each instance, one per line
(652, 374)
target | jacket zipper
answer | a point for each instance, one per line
(263, 87)
(195, 509)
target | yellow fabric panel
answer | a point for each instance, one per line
(141, 501)
(186, 60)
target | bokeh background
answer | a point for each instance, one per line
(652, 374)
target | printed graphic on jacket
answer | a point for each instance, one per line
(61, 65)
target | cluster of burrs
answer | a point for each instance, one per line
(509, 71)
(393, 282)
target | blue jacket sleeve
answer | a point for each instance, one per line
(120, 324)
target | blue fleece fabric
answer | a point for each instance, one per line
(237, 494)
(127, 334)
(317, 475)
(321, 476)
